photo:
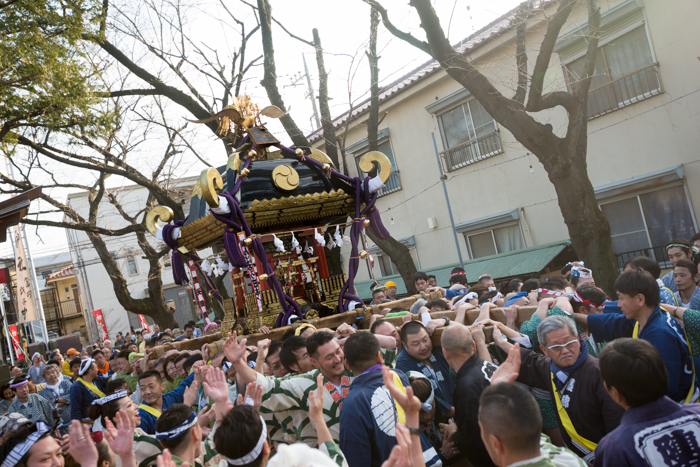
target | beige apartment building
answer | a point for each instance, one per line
(643, 150)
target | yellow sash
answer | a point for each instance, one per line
(689, 397)
(150, 410)
(566, 421)
(400, 414)
(92, 388)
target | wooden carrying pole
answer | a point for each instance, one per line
(359, 316)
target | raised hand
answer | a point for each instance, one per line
(121, 439)
(509, 370)
(165, 459)
(81, 448)
(255, 392)
(205, 416)
(190, 394)
(233, 349)
(407, 400)
(215, 385)
(263, 348)
(316, 400)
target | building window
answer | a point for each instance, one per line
(494, 241)
(394, 183)
(643, 224)
(131, 264)
(45, 274)
(469, 133)
(387, 266)
(625, 73)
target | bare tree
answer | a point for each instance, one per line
(397, 251)
(564, 158)
(128, 55)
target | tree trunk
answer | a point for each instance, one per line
(400, 256)
(153, 305)
(326, 120)
(269, 81)
(564, 159)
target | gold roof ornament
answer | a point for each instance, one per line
(243, 113)
(162, 213)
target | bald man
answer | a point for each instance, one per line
(473, 376)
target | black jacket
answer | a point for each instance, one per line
(472, 378)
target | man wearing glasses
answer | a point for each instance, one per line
(585, 410)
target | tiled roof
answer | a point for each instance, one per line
(471, 43)
(66, 271)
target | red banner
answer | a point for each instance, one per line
(144, 324)
(14, 335)
(101, 322)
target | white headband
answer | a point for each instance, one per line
(112, 397)
(584, 273)
(36, 354)
(426, 406)
(468, 296)
(85, 366)
(255, 453)
(178, 430)
(496, 297)
(551, 292)
(21, 449)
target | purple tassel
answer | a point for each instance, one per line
(179, 275)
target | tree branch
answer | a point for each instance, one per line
(269, 81)
(521, 53)
(535, 101)
(419, 44)
(170, 92)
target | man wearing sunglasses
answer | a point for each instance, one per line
(585, 410)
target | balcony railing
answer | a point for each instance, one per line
(627, 90)
(472, 151)
(62, 310)
(391, 185)
(657, 253)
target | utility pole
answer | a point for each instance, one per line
(447, 200)
(311, 94)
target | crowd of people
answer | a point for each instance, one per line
(585, 379)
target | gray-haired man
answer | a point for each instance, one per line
(585, 410)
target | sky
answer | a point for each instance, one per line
(344, 31)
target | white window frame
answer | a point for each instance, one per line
(638, 194)
(490, 229)
(382, 254)
(131, 256)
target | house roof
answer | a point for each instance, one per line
(14, 209)
(518, 263)
(471, 43)
(62, 273)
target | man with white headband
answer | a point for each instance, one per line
(177, 430)
(35, 370)
(89, 385)
(32, 406)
